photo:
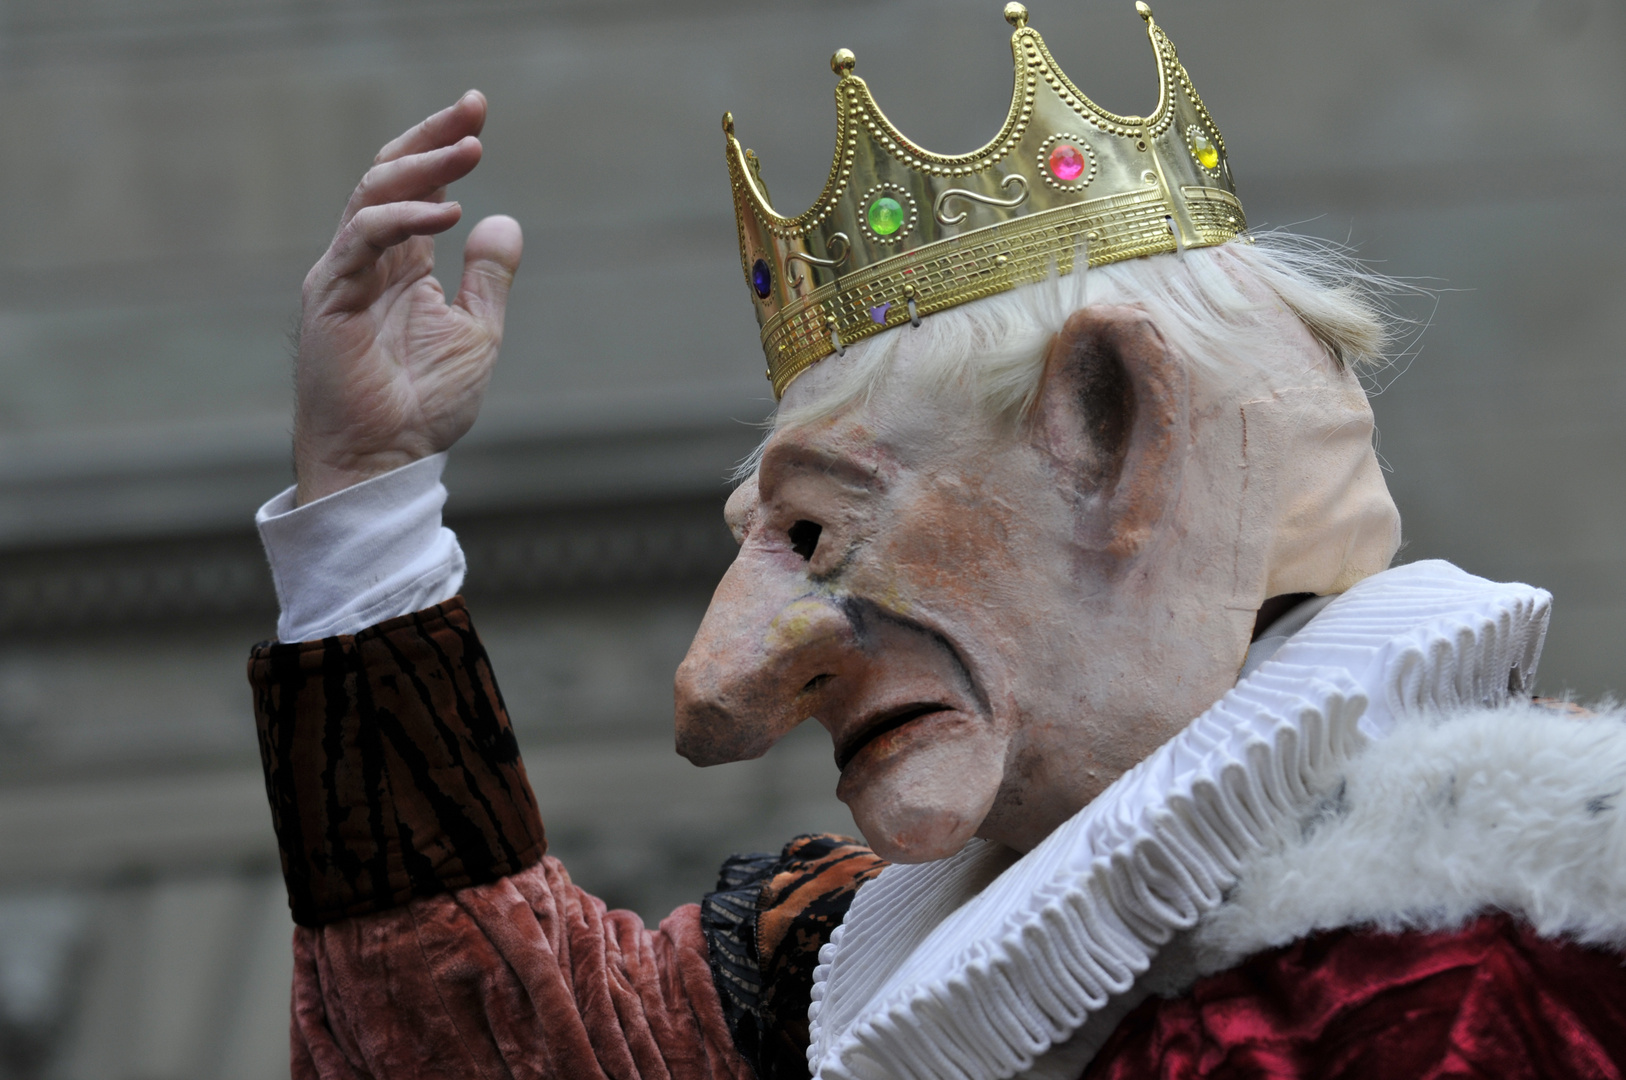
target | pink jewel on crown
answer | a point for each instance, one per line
(1067, 162)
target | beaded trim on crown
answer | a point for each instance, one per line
(900, 232)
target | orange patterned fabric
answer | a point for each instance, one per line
(391, 766)
(764, 926)
(801, 905)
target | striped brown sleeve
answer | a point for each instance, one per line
(391, 767)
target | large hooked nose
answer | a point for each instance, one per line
(753, 673)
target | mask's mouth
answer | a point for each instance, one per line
(880, 724)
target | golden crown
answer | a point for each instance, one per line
(900, 232)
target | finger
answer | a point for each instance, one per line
(452, 123)
(417, 178)
(376, 229)
(490, 259)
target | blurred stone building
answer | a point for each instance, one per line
(172, 167)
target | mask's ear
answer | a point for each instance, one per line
(1113, 415)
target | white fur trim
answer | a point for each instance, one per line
(1516, 809)
(981, 966)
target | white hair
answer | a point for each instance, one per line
(1207, 302)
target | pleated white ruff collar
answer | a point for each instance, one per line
(985, 965)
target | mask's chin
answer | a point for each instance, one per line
(921, 791)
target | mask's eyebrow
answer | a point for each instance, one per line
(783, 460)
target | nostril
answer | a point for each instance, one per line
(804, 538)
(815, 682)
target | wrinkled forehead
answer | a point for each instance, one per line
(843, 448)
(872, 441)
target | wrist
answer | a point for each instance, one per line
(316, 478)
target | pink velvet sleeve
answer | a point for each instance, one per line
(435, 938)
(524, 977)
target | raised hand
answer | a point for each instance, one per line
(388, 372)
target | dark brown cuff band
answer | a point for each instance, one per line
(391, 766)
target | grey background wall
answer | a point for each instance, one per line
(172, 167)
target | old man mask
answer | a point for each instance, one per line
(1054, 430)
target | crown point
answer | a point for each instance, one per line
(1016, 14)
(728, 124)
(843, 62)
(1144, 9)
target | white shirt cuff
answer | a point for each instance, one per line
(360, 556)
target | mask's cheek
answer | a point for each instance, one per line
(921, 792)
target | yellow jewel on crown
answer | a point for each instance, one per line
(900, 232)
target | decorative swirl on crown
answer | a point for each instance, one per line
(899, 231)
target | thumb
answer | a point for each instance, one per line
(490, 258)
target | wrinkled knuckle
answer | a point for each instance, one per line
(344, 239)
(367, 188)
(364, 224)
